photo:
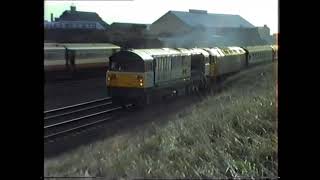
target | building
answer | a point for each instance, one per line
(73, 19)
(129, 28)
(264, 33)
(73, 25)
(202, 29)
(275, 37)
(216, 37)
(177, 22)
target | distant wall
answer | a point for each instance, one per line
(125, 40)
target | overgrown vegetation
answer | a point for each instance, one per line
(232, 134)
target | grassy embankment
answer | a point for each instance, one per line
(232, 134)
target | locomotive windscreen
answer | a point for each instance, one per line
(126, 62)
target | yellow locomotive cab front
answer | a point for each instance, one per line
(125, 79)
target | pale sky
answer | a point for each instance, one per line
(257, 12)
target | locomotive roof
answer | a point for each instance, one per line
(199, 51)
(225, 51)
(149, 54)
(215, 51)
(237, 50)
(171, 51)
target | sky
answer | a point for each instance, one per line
(257, 12)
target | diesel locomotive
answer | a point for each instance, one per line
(140, 76)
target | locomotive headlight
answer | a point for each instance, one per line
(140, 79)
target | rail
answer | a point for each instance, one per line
(65, 120)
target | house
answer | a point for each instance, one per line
(73, 19)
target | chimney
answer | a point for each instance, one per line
(73, 8)
(51, 17)
(198, 11)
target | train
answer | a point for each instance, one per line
(73, 57)
(142, 76)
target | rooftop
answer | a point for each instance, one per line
(74, 15)
(196, 18)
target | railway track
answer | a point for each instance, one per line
(75, 118)
(70, 119)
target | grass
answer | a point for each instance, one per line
(232, 134)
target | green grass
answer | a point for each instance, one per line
(232, 134)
